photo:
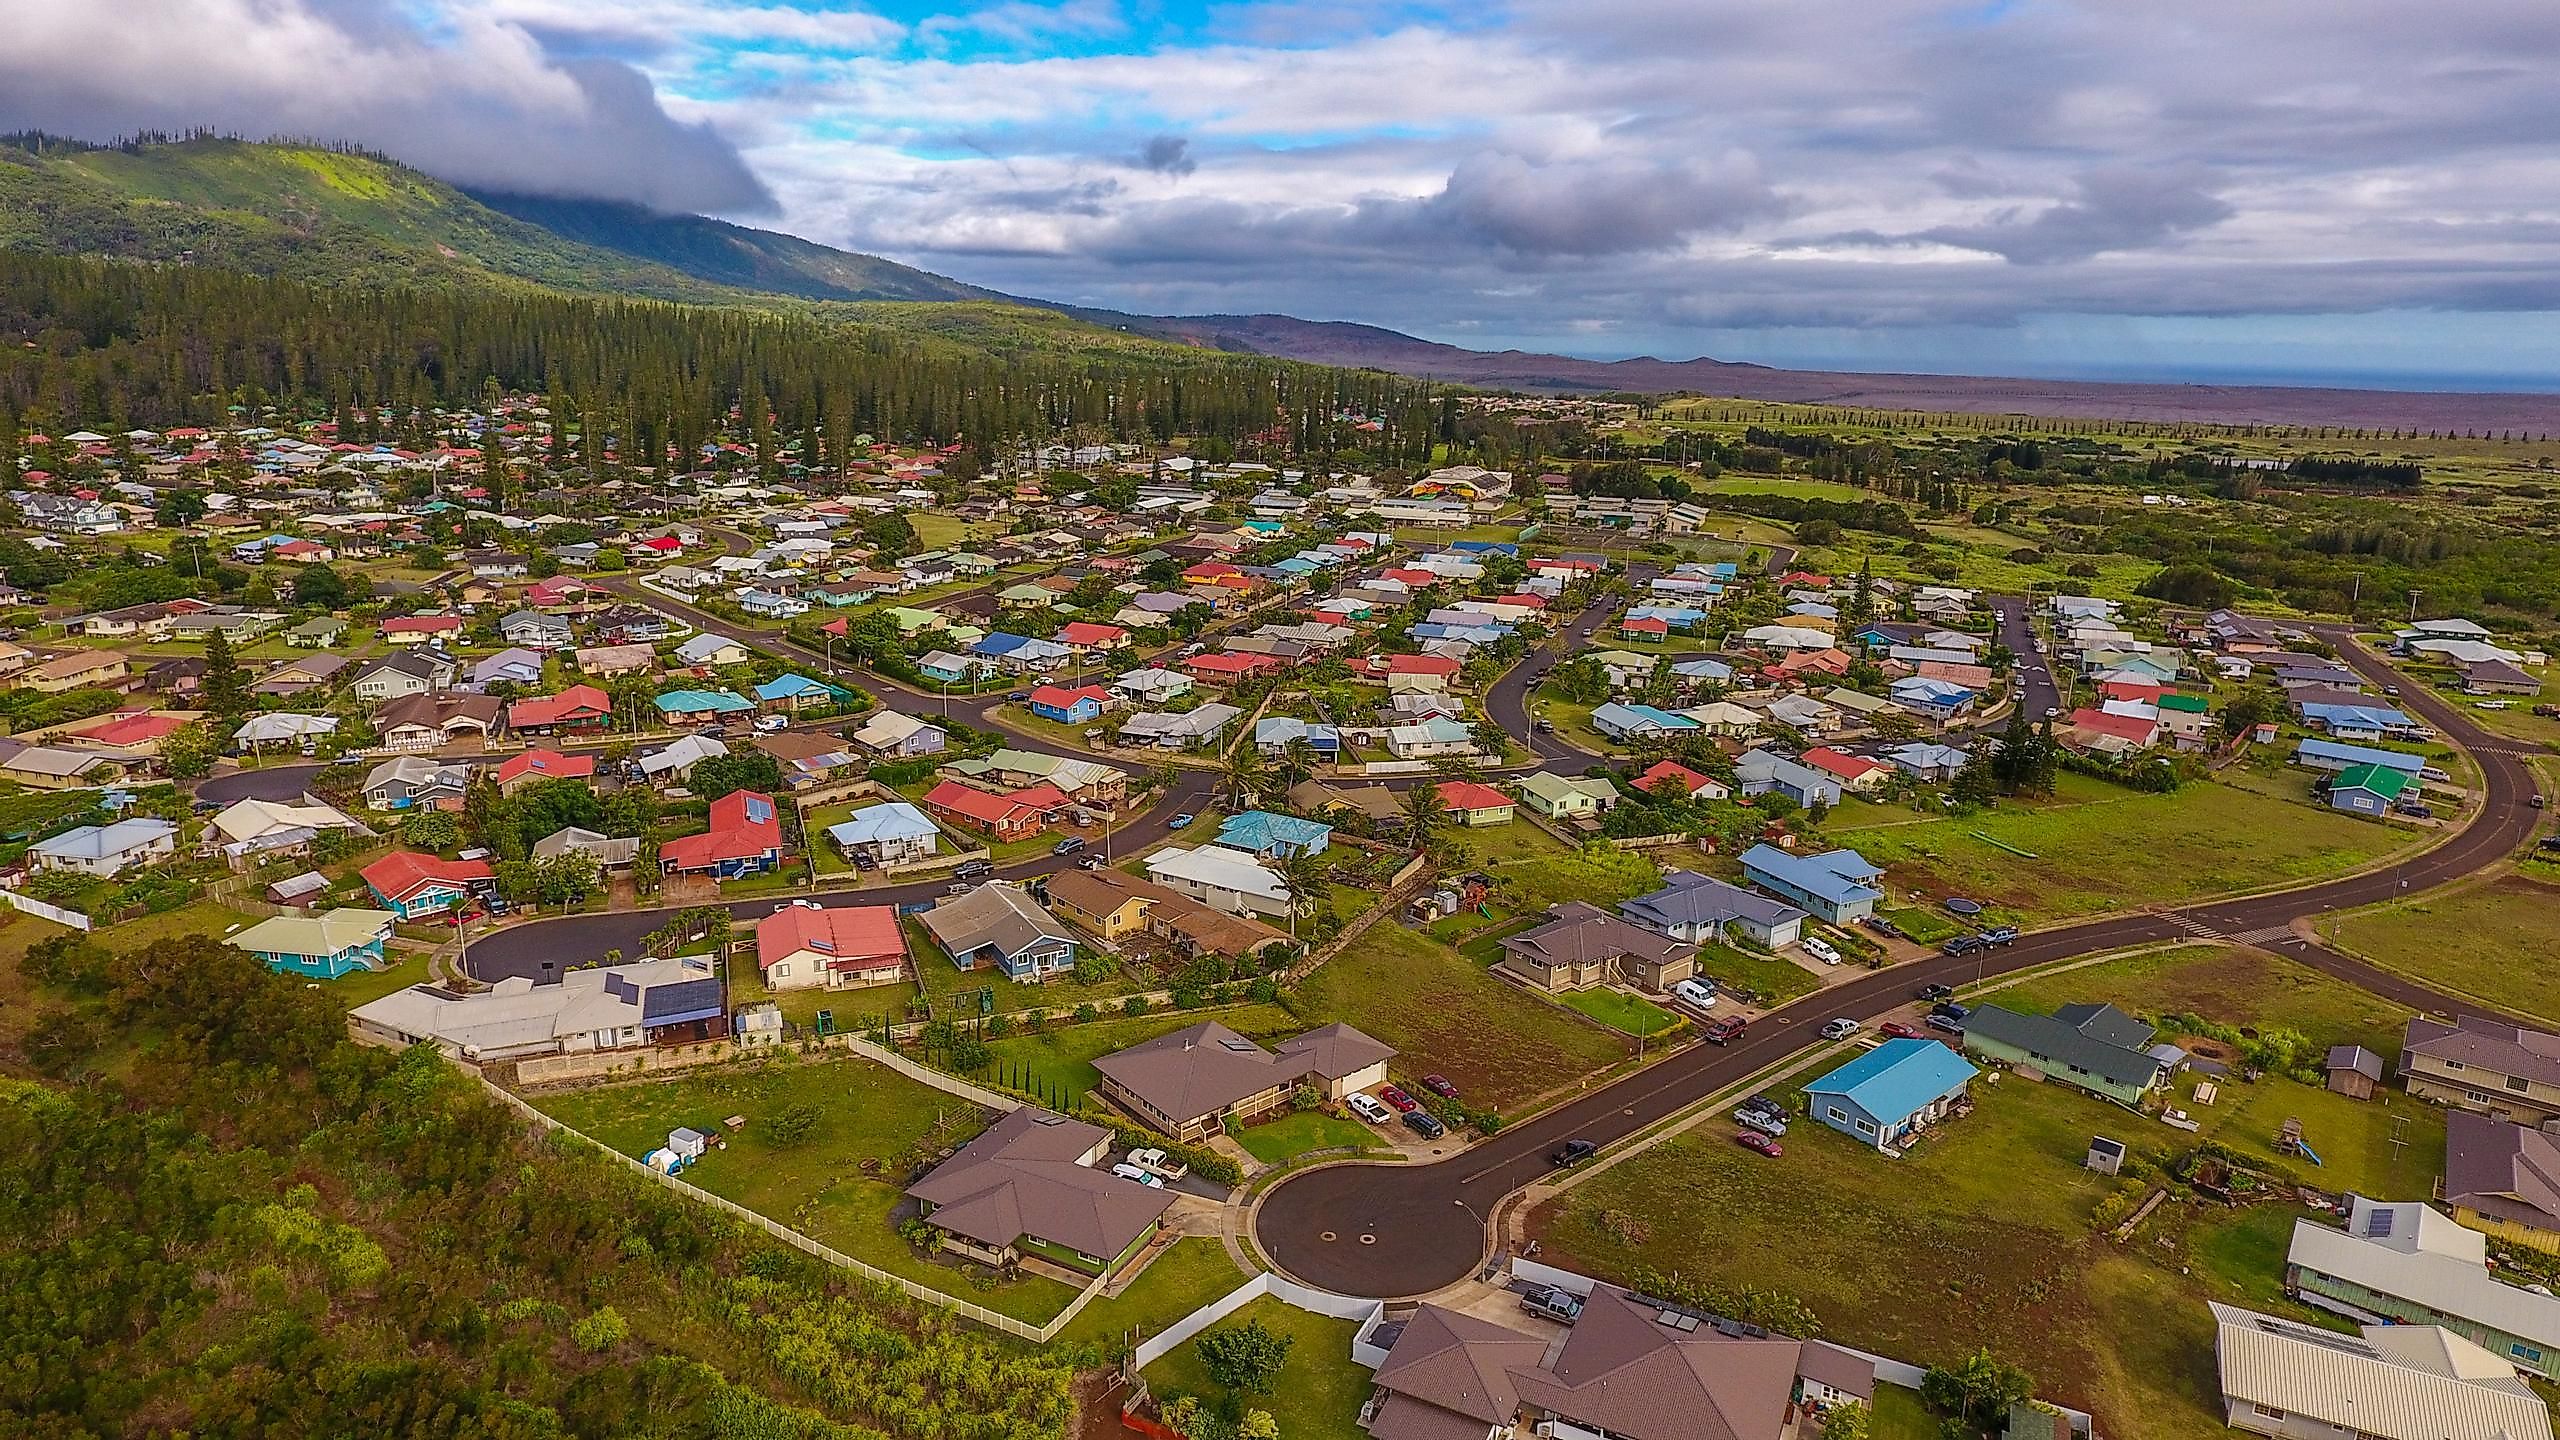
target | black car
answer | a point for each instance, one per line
(1937, 992)
(1950, 1009)
(1068, 846)
(1964, 945)
(1574, 1153)
(974, 870)
(1422, 1123)
(1764, 1105)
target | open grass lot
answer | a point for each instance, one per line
(2119, 849)
(2494, 940)
(1059, 1060)
(407, 968)
(1182, 1279)
(847, 1008)
(867, 1113)
(1504, 844)
(1773, 980)
(1287, 1138)
(1621, 1011)
(1444, 1013)
(1319, 1391)
(1597, 875)
(1924, 924)
(2225, 983)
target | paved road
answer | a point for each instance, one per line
(275, 782)
(1390, 1231)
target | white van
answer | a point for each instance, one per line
(1697, 993)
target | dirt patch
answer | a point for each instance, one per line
(1098, 1394)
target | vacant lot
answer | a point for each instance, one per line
(2119, 849)
(839, 1183)
(2224, 983)
(2493, 940)
(1757, 978)
(1517, 840)
(1444, 1013)
(1621, 1011)
(1319, 1390)
(1058, 1062)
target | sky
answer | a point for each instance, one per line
(2313, 190)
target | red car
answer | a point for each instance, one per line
(1754, 1140)
(1896, 1030)
(1405, 1104)
(1439, 1085)
(1724, 1031)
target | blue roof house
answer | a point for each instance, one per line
(1260, 832)
(1273, 734)
(2355, 722)
(795, 692)
(2331, 755)
(1626, 722)
(1836, 884)
(1891, 1091)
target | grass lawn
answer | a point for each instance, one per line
(1510, 843)
(867, 1113)
(1318, 1393)
(2225, 983)
(944, 982)
(1621, 1011)
(2492, 940)
(1059, 1061)
(1191, 1274)
(1897, 1414)
(2119, 849)
(1444, 1013)
(1291, 1136)
(407, 968)
(2354, 1138)
(1981, 1237)
(846, 1007)
(1772, 980)
(1925, 924)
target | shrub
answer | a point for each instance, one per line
(600, 1331)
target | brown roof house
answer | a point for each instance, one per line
(1628, 1368)
(1114, 904)
(2486, 1065)
(1027, 1186)
(1584, 945)
(2503, 1179)
(1187, 1083)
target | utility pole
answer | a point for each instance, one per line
(2413, 605)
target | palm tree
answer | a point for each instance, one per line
(1297, 765)
(1423, 812)
(1244, 774)
(1305, 877)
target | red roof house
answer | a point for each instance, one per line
(1091, 635)
(2131, 690)
(1674, 776)
(406, 629)
(1228, 669)
(413, 884)
(128, 731)
(803, 945)
(580, 707)
(745, 837)
(1380, 667)
(2133, 728)
(1856, 772)
(1014, 816)
(532, 765)
(1471, 803)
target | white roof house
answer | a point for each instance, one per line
(105, 849)
(245, 821)
(282, 725)
(1229, 880)
(601, 1009)
(2395, 1382)
(681, 756)
(2433, 1268)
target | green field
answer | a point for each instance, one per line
(2225, 983)
(1192, 1273)
(1506, 844)
(1319, 1390)
(1621, 1011)
(1283, 1140)
(1444, 1013)
(868, 1114)
(2493, 940)
(1059, 1060)
(2118, 849)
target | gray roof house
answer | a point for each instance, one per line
(1027, 1184)
(2478, 1063)
(2097, 1048)
(2394, 1382)
(1698, 908)
(998, 925)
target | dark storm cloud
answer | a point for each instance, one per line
(2113, 210)
(1166, 155)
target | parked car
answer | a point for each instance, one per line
(1090, 862)
(1157, 1162)
(1574, 1152)
(1439, 1085)
(1018, 697)
(1724, 1031)
(1068, 846)
(1821, 950)
(1765, 1105)
(1950, 1024)
(1405, 1104)
(2000, 935)
(1180, 822)
(1368, 1108)
(1754, 1140)
(1695, 992)
(1899, 1030)
(1562, 1306)
(1127, 1171)
(2419, 809)
(1882, 926)
(1762, 1120)
(1424, 1124)
(771, 724)
(1964, 945)
(974, 870)
(1839, 1029)
(1937, 992)
(2391, 690)
(1951, 1009)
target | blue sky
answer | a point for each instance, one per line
(2053, 187)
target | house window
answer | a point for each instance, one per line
(1865, 1128)
(2527, 1353)
(782, 971)
(1836, 1113)
(2266, 1412)
(2475, 1096)
(2517, 1083)
(2453, 1065)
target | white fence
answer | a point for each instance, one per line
(42, 911)
(1039, 1334)
(1320, 1302)
(926, 1075)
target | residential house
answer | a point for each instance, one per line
(609, 852)
(1272, 836)
(246, 830)
(1189, 1083)
(1029, 1185)
(1624, 722)
(531, 767)
(409, 782)
(318, 634)
(887, 835)
(535, 630)
(896, 736)
(580, 709)
(515, 665)
(2097, 1048)
(1471, 803)
(1837, 885)
(946, 669)
(710, 651)
(1113, 903)
(1700, 908)
(1152, 686)
(1014, 815)
(2502, 1179)
(323, 946)
(1678, 779)
(289, 677)
(1891, 1092)
(806, 946)
(394, 676)
(2370, 789)
(1186, 730)
(744, 838)
(2397, 1382)
(1857, 774)
(1274, 734)
(701, 707)
(604, 662)
(426, 722)
(2408, 1264)
(283, 727)
(1221, 878)
(1923, 760)
(52, 767)
(106, 850)
(1582, 945)
(1762, 772)
(1079, 706)
(79, 670)
(999, 926)
(2490, 1066)
(2100, 732)
(412, 885)
(421, 629)
(793, 694)
(1562, 797)
(614, 1008)
(676, 759)
(2321, 754)
(1427, 674)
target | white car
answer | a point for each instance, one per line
(1821, 950)
(1695, 992)
(771, 724)
(1370, 1108)
(1839, 1029)
(1127, 1171)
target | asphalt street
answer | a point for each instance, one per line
(1389, 1231)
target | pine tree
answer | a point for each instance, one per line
(226, 688)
